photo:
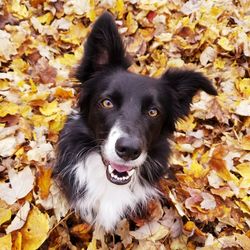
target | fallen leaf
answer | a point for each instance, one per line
(152, 230)
(56, 201)
(64, 93)
(35, 229)
(5, 242)
(225, 44)
(16, 188)
(17, 244)
(81, 231)
(40, 152)
(235, 240)
(5, 215)
(208, 201)
(243, 86)
(7, 49)
(44, 181)
(19, 219)
(209, 54)
(122, 230)
(8, 108)
(243, 108)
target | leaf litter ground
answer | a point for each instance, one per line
(41, 44)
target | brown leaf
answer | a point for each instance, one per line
(82, 231)
(45, 72)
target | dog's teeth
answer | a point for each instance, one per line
(110, 169)
(131, 172)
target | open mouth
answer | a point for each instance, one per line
(119, 174)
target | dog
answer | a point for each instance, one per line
(113, 151)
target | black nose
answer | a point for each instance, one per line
(128, 148)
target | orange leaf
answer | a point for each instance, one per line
(219, 165)
(44, 181)
(81, 231)
(64, 93)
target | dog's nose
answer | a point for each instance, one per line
(128, 148)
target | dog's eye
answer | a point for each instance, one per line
(153, 112)
(107, 104)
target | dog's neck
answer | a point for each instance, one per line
(103, 202)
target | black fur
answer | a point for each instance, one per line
(103, 73)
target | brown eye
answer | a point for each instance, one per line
(153, 112)
(107, 104)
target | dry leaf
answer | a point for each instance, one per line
(17, 188)
(44, 181)
(35, 229)
(5, 215)
(19, 219)
(5, 242)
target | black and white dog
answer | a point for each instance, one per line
(112, 153)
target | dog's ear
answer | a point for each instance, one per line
(184, 84)
(103, 48)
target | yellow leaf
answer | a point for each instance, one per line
(75, 34)
(68, 59)
(36, 229)
(40, 120)
(244, 170)
(246, 200)
(57, 124)
(8, 108)
(131, 23)
(25, 111)
(245, 142)
(45, 19)
(120, 8)
(5, 242)
(244, 86)
(91, 13)
(18, 64)
(243, 206)
(195, 169)
(49, 108)
(187, 124)
(219, 63)
(92, 245)
(33, 86)
(4, 85)
(19, 152)
(225, 44)
(5, 215)
(19, 10)
(28, 97)
(175, 62)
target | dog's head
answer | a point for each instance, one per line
(131, 115)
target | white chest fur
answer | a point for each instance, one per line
(107, 200)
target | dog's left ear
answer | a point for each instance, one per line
(103, 48)
(184, 84)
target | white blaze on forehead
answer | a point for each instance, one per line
(109, 151)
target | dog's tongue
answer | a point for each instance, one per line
(119, 168)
